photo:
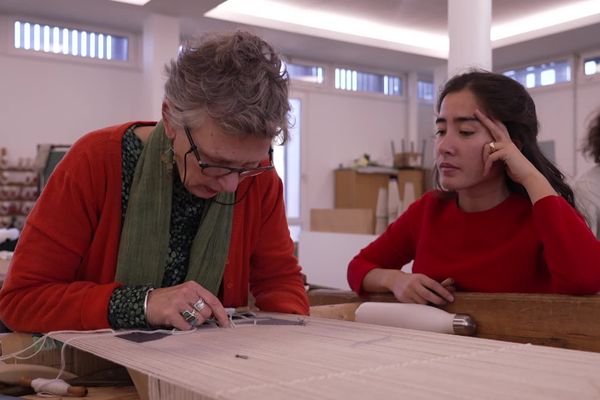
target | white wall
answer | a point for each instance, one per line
(339, 128)
(49, 101)
(554, 106)
(564, 113)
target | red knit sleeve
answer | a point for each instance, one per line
(393, 249)
(571, 250)
(275, 278)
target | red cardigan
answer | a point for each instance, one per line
(513, 247)
(63, 269)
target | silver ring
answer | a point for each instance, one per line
(189, 316)
(200, 305)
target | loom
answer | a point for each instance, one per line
(333, 359)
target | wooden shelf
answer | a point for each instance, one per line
(359, 190)
(16, 218)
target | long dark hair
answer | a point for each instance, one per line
(505, 99)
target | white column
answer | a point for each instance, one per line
(469, 23)
(412, 107)
(440, 76)
(160, 45)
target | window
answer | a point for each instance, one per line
(305, 73)
(357, 81)
(69, 42)
(591, 66)
(287, 163)
(542, 74)
(425, 90)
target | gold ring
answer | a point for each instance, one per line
(493, 146)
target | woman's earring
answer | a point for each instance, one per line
(168, 156)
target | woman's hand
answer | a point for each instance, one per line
(502, 148)
(420, 289)
(184, 306)
(518, 167)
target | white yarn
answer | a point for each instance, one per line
(344, 360)
(50, 387)
(41, 341)
(8, 234)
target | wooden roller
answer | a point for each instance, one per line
(415, 316)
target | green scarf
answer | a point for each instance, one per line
(145, 235)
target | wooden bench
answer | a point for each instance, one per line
(571, 322)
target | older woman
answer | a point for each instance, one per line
(163, 224)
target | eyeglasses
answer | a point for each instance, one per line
(217, 171)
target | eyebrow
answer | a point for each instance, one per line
(457, 119)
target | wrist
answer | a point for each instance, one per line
(146, 304)
(538, 187)
(390, 278)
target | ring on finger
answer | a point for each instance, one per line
(493, 147)
(189, 316)
(200, 305)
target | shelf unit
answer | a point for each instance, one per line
(18, 191)
(354, 189)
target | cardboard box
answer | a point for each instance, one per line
(342, 220)
(359, 190)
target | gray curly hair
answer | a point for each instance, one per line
(237, 79)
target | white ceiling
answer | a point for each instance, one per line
(423, 15)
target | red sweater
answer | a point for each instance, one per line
(513, 247)
(62, 273)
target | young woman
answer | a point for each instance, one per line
(503, 219)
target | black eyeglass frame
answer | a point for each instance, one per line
(242, 172)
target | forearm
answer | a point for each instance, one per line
(380, 280)
(538, 187)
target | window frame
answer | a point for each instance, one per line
(328, 84)
(7, 23)
(433, 91)
(568, 58)
(297, 222)
(294, 61)
(401, 75)
(581, 67)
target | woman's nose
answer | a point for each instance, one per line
(229, 182)
(444, 144)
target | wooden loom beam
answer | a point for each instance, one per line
(571, 322)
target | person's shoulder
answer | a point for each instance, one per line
(588, 183)
(591, 176)
(110, 135)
